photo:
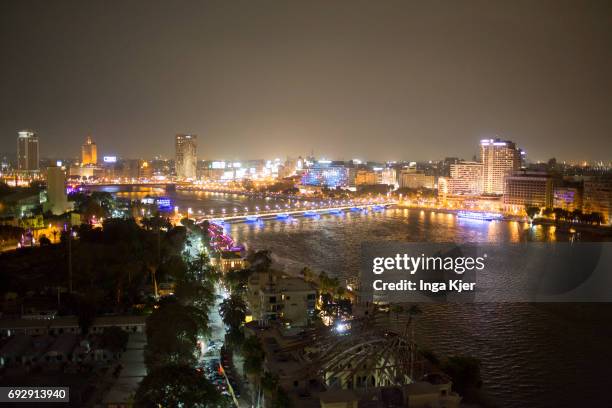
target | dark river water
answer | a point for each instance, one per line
(533, 355)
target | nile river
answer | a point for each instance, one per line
(533, 355)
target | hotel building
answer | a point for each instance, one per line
(186, 159)
(532, 189)
(465, 179)
(27, 151)
(498, 157)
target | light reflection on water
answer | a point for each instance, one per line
(530, 353)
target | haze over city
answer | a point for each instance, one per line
(300, 204)
(342, 79)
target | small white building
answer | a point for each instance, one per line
(289, 300)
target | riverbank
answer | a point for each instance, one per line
(505, 217)
(603, 230)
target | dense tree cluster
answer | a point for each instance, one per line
(561, 214)
(176, 385)
(111, 268)
(97, 205)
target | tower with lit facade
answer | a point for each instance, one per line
(89, 152)
(27, 151)
(499, 158)
(186, 159)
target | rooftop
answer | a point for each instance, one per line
(70, 321)
(294, 285)
(230, 255)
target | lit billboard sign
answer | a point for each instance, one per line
(110, 159)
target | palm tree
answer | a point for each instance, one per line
(308, 274)
(233, 311)
(531, 211)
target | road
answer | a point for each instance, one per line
(211, 348)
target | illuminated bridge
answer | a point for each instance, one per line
(311, 211)
(169, 186)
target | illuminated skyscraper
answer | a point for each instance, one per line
(498, 157)
(27, 151)
(186, 159)
(89, 152)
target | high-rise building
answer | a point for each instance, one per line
(598, 197)
(57, 200)
(498, 157)
(465, 179)
(524, 188)
(411, 178)
(27, 151)
(89, 152)
(186, 159)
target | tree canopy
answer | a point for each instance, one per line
(176, 386)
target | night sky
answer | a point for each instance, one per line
(347, 79)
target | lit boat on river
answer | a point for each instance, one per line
(482, 216)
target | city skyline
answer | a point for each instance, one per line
(91, 144)
(343, 80)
